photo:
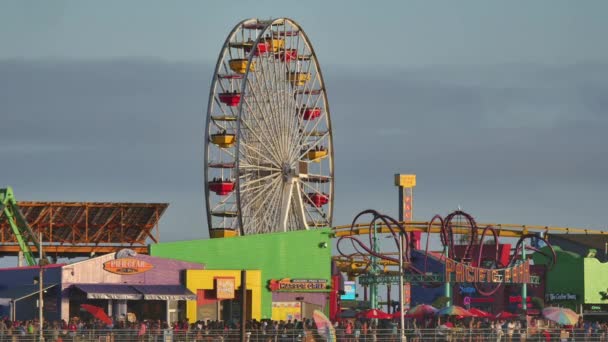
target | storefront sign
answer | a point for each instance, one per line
(224, 288)
(295, 285)
(518, 299)
(127, 266)
(561, 296)
(350, 291)
(462, 273)
(595, 308)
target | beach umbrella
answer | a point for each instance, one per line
(480, 313)
(374, 313)
(324, 326)
(97, 312)
(561, 316)
(421, 310)
(505, 315)
(454, 310)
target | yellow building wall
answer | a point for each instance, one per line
(204, 280)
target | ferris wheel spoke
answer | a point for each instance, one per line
(250, 148)
(258, 167)
(272, 101)
(270, 141)
(248, 203)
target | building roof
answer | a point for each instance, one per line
(595, 241)
(80, 228)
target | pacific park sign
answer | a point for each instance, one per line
(462, 273)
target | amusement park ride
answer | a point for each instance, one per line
(269, 168)
(75, 229)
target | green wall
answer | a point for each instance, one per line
(566, 276)
(278, 255)
(596, 280)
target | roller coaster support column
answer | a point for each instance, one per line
(373, 288)
(401, 299)
(447, 285)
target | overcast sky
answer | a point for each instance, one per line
(498, 107)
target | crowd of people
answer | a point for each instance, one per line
(347, 330)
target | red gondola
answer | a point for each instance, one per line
(262, 48)
(221, 187)
(230, 99)
(318, 199)
(310, 113)
(287, 55)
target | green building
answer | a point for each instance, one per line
(294, 268)
(577, 282)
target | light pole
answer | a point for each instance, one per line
(402, 319)
(40, 288)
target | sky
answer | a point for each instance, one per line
(499, 107)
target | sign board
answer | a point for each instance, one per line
(560, 296)
(286, 311)
(350, 291)
(297, 285)
(127, 266)
(224, 288)
(463, 273)
(406, 181)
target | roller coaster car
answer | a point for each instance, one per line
(262, 48)
(221, 187)
(310, 113)
(317, 199)
(240, 65)
(316, 155)
(287, 55)
(223, 139)
(230, 99)
(298, 78)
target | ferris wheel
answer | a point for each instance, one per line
(268, 142)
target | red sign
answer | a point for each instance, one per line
(517, 299)
(127, 266)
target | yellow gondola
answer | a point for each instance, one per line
(222, 233)
(316, 156)
(240, 65)
(223, 140)
(275, 44)
(298, 78)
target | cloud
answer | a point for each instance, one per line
(514, 143)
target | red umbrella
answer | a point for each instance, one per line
(97, 312)
(374, 313)
(505, 315)
(480, 313)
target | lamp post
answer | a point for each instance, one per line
(402, 319)
(40, 289)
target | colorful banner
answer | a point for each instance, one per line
(224, 287)
(462, 273)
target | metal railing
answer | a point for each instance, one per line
(299, 335)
